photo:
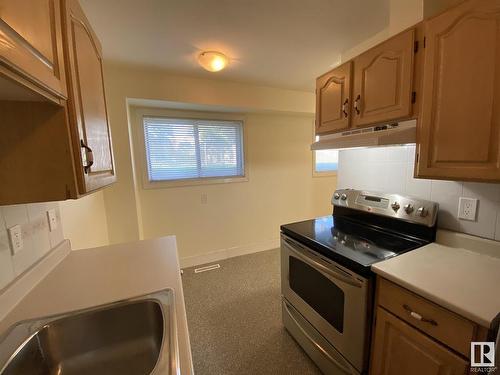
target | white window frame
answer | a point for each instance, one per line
(314, 172)
(140, 146)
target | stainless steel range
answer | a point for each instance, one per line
(326, 282)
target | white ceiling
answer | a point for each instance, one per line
(279, 43)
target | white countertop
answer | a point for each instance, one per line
(92, 277)
(465, 281)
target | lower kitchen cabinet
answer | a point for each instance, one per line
(401, 349)
(414, 336)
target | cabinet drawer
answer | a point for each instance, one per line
(398, 348)
(443, 325)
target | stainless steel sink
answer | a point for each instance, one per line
(133, 337)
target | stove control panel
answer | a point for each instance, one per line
(401, 207)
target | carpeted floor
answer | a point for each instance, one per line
(234, 318)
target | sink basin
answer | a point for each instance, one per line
(132, 337)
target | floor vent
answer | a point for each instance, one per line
(207, 268)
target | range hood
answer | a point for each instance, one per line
(381, 135)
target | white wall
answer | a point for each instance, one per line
(402, 15)
(390, 169)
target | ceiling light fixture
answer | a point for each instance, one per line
(213, 61)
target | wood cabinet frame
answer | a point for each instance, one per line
(41, 156)
(458, 135)
(88, 180)
(24, 63)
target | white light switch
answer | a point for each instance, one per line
(51, 216)
(467, 208)
(15, 238)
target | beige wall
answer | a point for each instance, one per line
(124, 83)
(243, 215)
(84, 221)
(402, 15)
(434, 7)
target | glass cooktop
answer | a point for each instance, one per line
(344, 240)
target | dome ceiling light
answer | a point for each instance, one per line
(213, 61)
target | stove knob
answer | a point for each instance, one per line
(422, 211)
(408, 208)
(336, 195)
(395, 206)
(343, 197)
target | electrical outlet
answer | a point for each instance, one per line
(467, 208)
(52, 217)
(15, 238)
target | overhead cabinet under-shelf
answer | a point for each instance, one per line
(51, 149)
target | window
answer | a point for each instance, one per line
(181, 149)
(325, 161)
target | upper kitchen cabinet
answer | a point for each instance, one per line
(31, 52)
(86, 102)
(376, 87)
(55, 152)
(458, 132)
(383, 79)
(333, 96)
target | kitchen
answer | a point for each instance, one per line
(128, 155)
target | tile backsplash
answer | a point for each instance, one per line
(38, 240)
(390, 169)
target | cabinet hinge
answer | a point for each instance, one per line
(415, 46)
(424, 41)
(413, 96)
(416, 157)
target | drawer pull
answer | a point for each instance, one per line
(417, 316)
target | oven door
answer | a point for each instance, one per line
(333, 299)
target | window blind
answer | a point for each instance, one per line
(179, 149)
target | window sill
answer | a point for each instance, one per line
(192, 182)
(325, 174)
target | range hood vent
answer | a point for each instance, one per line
(380, 135)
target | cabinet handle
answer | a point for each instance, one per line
(417, 316)
(89, 155)
(357, 105)
(344, 107)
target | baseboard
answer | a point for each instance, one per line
(231, 252)
(14, 292)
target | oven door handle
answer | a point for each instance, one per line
(342, 366)
(345, 277)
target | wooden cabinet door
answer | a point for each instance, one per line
(383, 78)
(458, 132)
(31, 43)
(92, 138)
(399, 349)
(333, 99)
